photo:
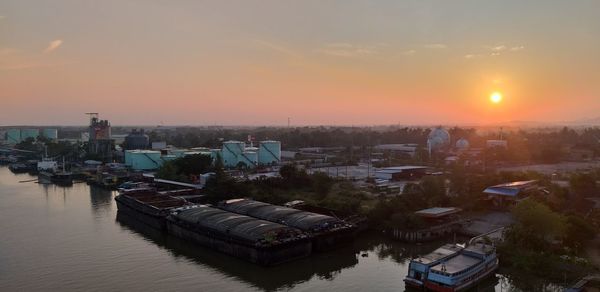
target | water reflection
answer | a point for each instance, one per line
(324, 266)
(101, 200)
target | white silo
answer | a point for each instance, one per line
(462, 144)
(231, 152)
(438, 138)
(269, 152)
(250, 159)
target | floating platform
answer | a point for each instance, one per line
(258, 241)
(149, 206)
(327, 232)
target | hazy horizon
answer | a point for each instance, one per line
(319, 63)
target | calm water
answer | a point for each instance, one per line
(55, 238)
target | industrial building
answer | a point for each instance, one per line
(258, 241)
(496, 144)
(100, 142)
(137, 139)
(13, 136)
(407, 149)
(143, 159)
(509, 194)
(18, 135)
(401, 173)
(235, 153)
(51, 134)
(327, 231)
(438, 139)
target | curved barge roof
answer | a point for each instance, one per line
(303, 220)
(244, 228)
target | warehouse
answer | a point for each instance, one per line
(327, 231)
(401, 173)
(255, 240)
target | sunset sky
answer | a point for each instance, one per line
(317, 62)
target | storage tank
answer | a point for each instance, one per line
(178, 152)
(29, 133)
(249, 158)
(462, 144)
(438, 138)
(216, 153)
(232, 150)
(137, 140)
(269, 152)
(143, 159)
(13, 136)
(51, 134)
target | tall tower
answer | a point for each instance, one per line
(100, 142)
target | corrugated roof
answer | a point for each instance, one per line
(233, 224)
(306, 221)
(510, 189)
(437, 211)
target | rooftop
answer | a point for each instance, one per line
(456, 264)
(511, 188)
(440, 253)
(437, 212)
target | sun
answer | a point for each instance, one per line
(496, 97)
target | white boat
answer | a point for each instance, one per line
(453, 268)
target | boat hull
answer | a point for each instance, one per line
(433, 286)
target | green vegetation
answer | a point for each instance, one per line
(545, 243)
(186, 169)
(293, 184)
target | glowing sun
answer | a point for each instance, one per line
(496, 97)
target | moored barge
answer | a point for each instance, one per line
(152, 207)
(326, 231)
(258, 241)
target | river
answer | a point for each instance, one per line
(73, 239)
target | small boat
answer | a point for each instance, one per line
(63, 177)
(20, 167)
(452, 267)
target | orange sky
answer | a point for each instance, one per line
(258, 63)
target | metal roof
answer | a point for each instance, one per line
(306, 221)
(232, 224)
(440, 253)
(405, 167)
(456, 264)
(510, 189)
(437, 212)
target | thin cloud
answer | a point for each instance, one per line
(517, 48)
(53, 45)
(409, 52)
(435, 46)
(277, 48)
(498, 48)
(347, 50)
(472, 56)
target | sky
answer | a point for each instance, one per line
(141, 62)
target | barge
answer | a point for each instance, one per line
(452, 267)
(258, 241)
(326, 231)
(152, 207)
(60, 178)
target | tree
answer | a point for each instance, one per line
(584, 185)
(536, 225)
(194, 164)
